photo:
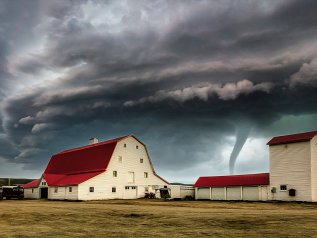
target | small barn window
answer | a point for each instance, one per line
(56, 190)
(137, 147)
(127, 187)
(32, 190)
(141, 161)
(146, 175)
(125, 145)
(114, 189)
(43, 183)
(146, 189)
(283, 187)
(120, 159)
(91, 189)
(115, 174)
(70, 189)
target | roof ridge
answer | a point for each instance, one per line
(291, 138)
(295, 134)
(93, 145)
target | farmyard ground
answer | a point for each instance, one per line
(155, 218)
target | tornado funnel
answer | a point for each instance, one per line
(243, 132)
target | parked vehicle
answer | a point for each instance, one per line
(9, 192)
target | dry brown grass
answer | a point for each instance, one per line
(147, 218)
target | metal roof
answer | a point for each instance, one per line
(234, 180)
(292, 138)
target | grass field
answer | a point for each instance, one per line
(147, 218)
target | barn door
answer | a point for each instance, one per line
(44, 192)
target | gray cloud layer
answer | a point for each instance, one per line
(183, 76)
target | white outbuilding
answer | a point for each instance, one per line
(293, 167)
(247, 187)
(120, 168)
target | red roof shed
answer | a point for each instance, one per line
(234, 180)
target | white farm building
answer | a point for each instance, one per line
(115, 169)
(293, 167)
(247, 187)
(292, 177)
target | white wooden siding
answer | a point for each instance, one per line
(60, 194)
(129, 162)
(28, 193)
(290, 164)
(313, 146)
(233, 193)
(265, 193)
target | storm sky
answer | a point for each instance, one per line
(189, 78)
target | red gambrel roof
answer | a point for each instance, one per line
(234, 180)
(74, 166)
(307, 136)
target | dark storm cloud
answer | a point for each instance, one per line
(184, 77)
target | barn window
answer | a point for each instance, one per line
(141, 161)
(114, 189)
(146, 189)
(137, 147)
(125, 145)
(283, 187)
(43, 183)
(91, 189)
(70, 189)
(145, 174)
(56, 190)
(127, 187)
(120, 159)
(115, 174)
(32, 190)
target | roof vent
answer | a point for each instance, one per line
(93, 140)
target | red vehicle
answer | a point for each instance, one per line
(9, 192)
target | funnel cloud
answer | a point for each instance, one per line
(243, 132)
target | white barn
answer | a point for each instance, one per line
(293, 167)
(115, 169)
(247, 187)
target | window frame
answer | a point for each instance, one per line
(70, 189)
(115, 173)
(141, 160)
(55, 189)
(113, 189)
(92, 189)
(284, 186)
(146, 174)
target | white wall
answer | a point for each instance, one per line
(28, 193)
(290, 164)
(247, 193)
(59, 194)
(131, 156)
(313, 146)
